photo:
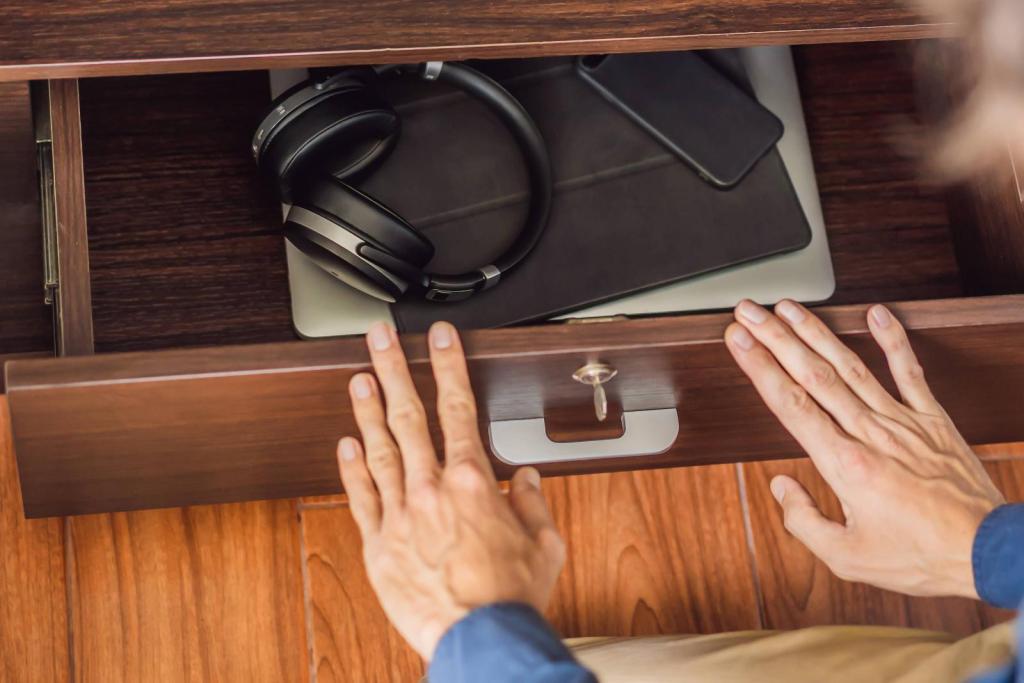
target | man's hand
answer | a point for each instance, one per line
(912, 492)
(439, 542)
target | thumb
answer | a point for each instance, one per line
(803, 519)
(528, 502)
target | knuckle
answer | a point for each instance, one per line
(777, 335)
(856, 372)
(458, 403)
(855, 464)
(382, 459)
(423, 493)
(797, 401)
(553, 545)
(820, 376)
(897, 345)
(405, 414)
(463, 447)
(468, 475)
(913, 372)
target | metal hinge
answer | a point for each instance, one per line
(47, 198)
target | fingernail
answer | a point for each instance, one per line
(361, 386)
(881, 315)
(752, 312)
(532, 477)
(380, 336)
(790, 311)
(348, 450)
(778, 488)
(741, 338)
(441, 335)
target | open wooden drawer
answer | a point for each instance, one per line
(181, 266)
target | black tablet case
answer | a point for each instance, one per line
(627, 214)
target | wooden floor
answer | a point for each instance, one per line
(275, 591)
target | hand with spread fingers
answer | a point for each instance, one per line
(912, 491)
(439, 541)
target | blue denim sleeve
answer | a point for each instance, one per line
(998, 557)
(504, 643)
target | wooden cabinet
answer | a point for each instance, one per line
(170, 265)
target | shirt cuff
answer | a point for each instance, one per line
(502, 643)
(998, 557)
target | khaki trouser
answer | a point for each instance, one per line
(836, 654)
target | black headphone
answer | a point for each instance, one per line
(319, 134)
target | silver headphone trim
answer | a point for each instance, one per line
(340, 236)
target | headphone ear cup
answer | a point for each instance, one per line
(336, 251)
(344, 133)
(364, 216)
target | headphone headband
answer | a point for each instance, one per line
(336, 128)
(535, 155)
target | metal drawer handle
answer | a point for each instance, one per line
(526, 442)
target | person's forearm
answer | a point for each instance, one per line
(505, 643)
(998, 557)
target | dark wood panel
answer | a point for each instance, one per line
(800, 591)
(25, 321)
(652, 552)
(198, 594)
(184, 237)
(78, 38)
(74, 300)
(229, 423)
(888, 230)
(33, 614)
(989, 215)
(353, 642)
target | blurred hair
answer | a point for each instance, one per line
(986, 129)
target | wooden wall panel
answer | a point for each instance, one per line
(196, 594)
(800, 591)
(652, 552)
(33, 625)
(76, 38)
(352, 639)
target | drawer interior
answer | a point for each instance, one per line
(184, 242)
(25, 321)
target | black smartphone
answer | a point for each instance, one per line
(696, 112)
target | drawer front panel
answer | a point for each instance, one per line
(127, 431)
(197, 35)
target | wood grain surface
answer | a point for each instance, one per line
(187, 259)
(353, 642)
(649, 553)
(74, 298)
(33, 625)
(888, 230)
(234, 423)
(184, 236)
(78, 38)
(25, 322)
(198, 594)
(800, 591)
(990, 241)
(652, 552)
